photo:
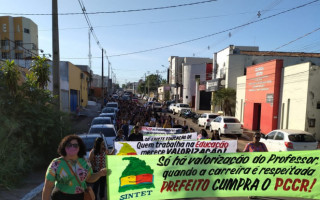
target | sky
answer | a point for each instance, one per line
(209, 27)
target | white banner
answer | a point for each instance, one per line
(156, 130)
(175, 147)
(168, 137)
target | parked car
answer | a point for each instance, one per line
(156, 106)
(115, 96)
(113, 105)
(109, 110)
(107, 130)
(113, 117)
(101, 120)
(206, 118)
(289, 140)
(227, 125)
(88, 140)
(171, 107)
(149, 104)
(195, 118)
(180, 107)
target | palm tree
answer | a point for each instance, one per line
(41, 70)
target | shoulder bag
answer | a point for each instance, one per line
(88, 193)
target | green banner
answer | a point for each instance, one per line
(287, 174)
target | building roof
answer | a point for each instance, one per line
(276, 53)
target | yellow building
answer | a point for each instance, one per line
(19, 38)
(78, 87)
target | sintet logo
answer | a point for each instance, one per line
(137, 175)
(126, 149)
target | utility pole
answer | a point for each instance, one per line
(102, 89)
(55, 52)
(145, 78)
(90, 56)
(109, 89)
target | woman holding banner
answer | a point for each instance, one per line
(97, 158)
(67, 175)
(203, 135)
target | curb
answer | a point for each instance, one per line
(33, 192)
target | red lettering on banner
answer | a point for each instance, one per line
(294, 185)
(208, 144)
(178, 185)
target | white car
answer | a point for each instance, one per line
(101, 120)
(206, 118)
(88, 140)
(227, 125)
(113, 117)
(289, 140)
(107, 130)
(171, 107)
(113, 105)
(180, 107)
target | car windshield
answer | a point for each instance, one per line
(157, 104)
(101, 121)
(107, 132)
(113, 105)
(108, 110)
(184, 105)
(89, 142)
(231, 120)
(213, 116)
(301, 138)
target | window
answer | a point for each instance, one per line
(18, 56)
(18, 43)
(318, 105)
(279, 136)
(312, 123)
(301, 138)
(26, 30)
(231, 120)
(4, 43)
(271, 135)
(5, 55)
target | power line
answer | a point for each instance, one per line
(119, 11)
(305, 35)
(210, 35)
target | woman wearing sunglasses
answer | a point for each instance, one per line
(67, 175)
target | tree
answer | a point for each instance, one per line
(11, 76)
(41, 70)
(153, 82)
(225, 97)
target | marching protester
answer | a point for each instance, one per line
(125, 128)
(185, 127)
(167, 124)
(67, 175)
(203, 135)
(136, 135)
(97, 158)
(120, 136)
(215, 135)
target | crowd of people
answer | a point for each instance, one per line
(68, 175)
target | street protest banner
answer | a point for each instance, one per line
(175, 147)
(285, 174)
(156, 130)
(168, 137)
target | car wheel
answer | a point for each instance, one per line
(239, 135)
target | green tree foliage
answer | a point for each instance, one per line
(11, 76)
(31, 127)
(225, 97)
(41, 70)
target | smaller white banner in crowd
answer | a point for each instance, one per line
(168, 137)
(175, 147)
(156, 130)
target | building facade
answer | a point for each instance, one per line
(280, 97)
(19, 38)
